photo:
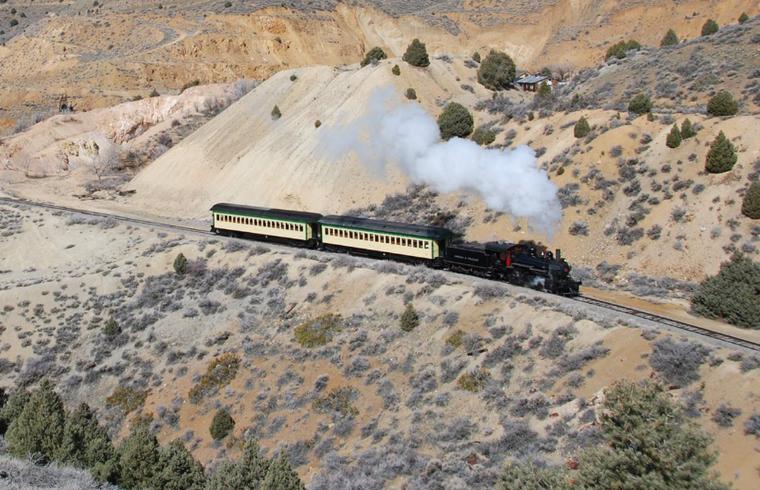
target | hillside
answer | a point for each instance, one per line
(101, 55)
(374, 404)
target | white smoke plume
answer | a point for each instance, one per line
(403, 133)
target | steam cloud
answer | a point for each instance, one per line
(507, 180)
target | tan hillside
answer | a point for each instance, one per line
(106, 54)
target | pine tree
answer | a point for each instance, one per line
(281, 476)
(670, 39)
(254, 465)
(138, 458)
(12, 408)
(227, 475)
(409, 319)
(416, 54)
(722, 104)
(178, 470)
(674, 137)
(722, 155)
(710, 27)
(687, 129)
(85, 442)
(582, 128)
(751, 202)
(38, 429)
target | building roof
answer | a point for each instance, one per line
(367, 224)
(284, 214)
(530, 79)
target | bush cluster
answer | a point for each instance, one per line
(640, 104)
(731, 294)
(620, 50)
(722, 104)
(38, 426)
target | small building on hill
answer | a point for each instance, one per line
(530, 83)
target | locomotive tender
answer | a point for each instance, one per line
(522, 264)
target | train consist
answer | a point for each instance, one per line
(522, 264)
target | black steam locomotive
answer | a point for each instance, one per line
(523, 264)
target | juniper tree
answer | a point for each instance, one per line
(455, 120)
(722, 104)
(687, 129)
(138, 458)
(276, 114)
(416, 54)
(731, 294)
(722, 155)
(751, 202)
(581, 128)
(710, 27)
(14, 404)
(674, 137)
(497, 71)
(373, 55)
(476, 57)
(409, 319)
(281, 476)
(38, 429)
(178, 470)
(640, 104)
(743, 18)
(180, 264)
(670, 39)
(85, 442)
(396, 70)
(221, 425)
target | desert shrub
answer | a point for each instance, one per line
(640, 104)
(293, 77)
(455, 120)
(409, 319)
(743, 18)
(484, 136)
(474, 381)
(724, 415)
(111, 328)
(476, 57)
(722, 155)
(620, 50)
(578, 228)
(670, 39)
(710, 27)
(677, 362)
(411, 94)
(396, 70)
(455, 339)
(674, 137)
(126, 399)
(751, 201)
(276, 114)
(644, 436)
(722, 104)
(373, 56)
(317, 123)
(339, 401)
(654, 232)
(731, 294)
(581, 128)
(219, 372)
(497, 71)
(38, 429)
(416, 54)
(318, 331)
(221, 425)
(180, 265)
(193, 83)
(687, 129)
(752, 425)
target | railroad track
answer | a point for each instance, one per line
(723, 337)
(705, 332)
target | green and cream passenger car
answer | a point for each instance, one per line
(266, 223)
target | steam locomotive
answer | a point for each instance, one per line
(523, 264)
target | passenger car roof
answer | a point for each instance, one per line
(367, 224)
(266, 212)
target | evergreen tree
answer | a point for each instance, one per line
(710, 27)
(180, 264)
(374, 55)
(743, 18)
(38, 429)
(396, 70)
(670, 39)
(483, 136)
(722, 155)
(281, 476)
(138, 458)
(178, 470)
(640, 104)
(221, 425)
(722, 104)
(751, 202)
(14, 404)
(253, 464)
(497, 71)
(687, 129)
(276, 114)
(582, 128)
(416, 54)
(409, 319)
(731, 294)
(411, 94)
(227, 475)
(674, 137)
(476, 57)
(85, 442)
(455, 120)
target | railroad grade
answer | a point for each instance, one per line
(626, 310)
